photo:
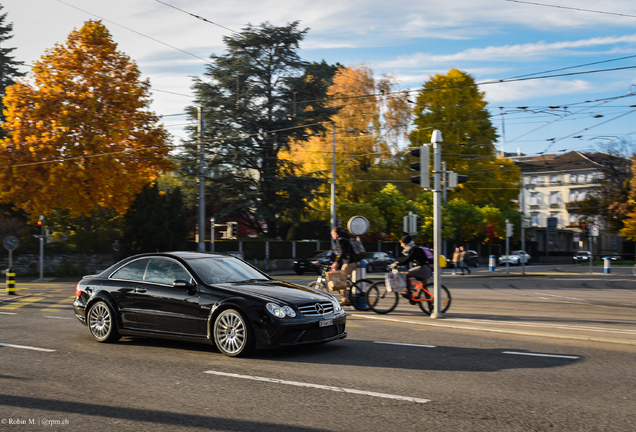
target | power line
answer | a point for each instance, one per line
(135, 31)
(197, 16)
(571, 8)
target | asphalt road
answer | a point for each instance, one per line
(549, 351)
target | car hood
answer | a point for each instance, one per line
(278, 291)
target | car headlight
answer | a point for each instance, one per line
(280, 312)
(336, 305)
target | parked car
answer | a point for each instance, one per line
(471, 259)
(615, 256)
(313, 262)
(515, 258)
(210, 298)
(581, 256)
(378, 261)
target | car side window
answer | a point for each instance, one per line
(165, 271)
(133, 271)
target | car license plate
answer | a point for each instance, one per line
(325, 323)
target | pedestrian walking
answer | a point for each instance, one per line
(462, 260)
(455, 260)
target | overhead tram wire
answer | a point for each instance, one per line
(571, 8)
(197, 16)
(136, 32)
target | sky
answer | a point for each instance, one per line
(558, 75)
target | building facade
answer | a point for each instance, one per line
(554, 186)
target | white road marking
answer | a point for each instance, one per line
(322, 387)
(47, 316)
(27, 347)
(8, 313)
(541, 355)
(406, 344)
(553, 325)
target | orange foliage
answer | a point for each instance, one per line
(80, 133)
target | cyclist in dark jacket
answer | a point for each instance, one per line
(346, 259)
(414, 254)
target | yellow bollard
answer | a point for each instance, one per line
(10, 282)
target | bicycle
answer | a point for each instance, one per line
(357, 288)
(382, 300)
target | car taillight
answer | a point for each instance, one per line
(78, 291)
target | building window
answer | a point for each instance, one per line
(554, 179)
(574, 219)
(534, 219)
(534, 199)
(533, 180)
(573, 178)
(555, 197)
(581, 178)
(589, 178)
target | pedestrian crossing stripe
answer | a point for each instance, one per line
(63, 304)
(22, 302)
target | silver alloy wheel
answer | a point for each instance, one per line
(100, 321)
(230, 332)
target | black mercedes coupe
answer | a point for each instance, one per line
(204, 297)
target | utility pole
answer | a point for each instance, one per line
(436, 140)
(201, 132)
(333, 181)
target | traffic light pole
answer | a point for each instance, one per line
(436, 140)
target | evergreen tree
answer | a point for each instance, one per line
(8, 65)
(155, 222)
(257, 97)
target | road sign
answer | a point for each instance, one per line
(594, 230)
(358, 225)
(577, 237)
(11, 242)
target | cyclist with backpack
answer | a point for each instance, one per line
(418, 257)
(346, 260)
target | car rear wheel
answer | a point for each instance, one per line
(233, 333)
(102, 323)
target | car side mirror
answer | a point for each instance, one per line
(181, 283)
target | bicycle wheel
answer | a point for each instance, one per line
(427, 305)
(358, 294)
(319, 286)
(379, 299)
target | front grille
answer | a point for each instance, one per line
(313, 309)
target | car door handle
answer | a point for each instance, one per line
(140, 290)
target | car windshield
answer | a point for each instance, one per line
(224, 270)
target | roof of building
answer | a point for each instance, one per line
(573, 160)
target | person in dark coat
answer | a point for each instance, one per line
(346, 260)
(413, 254)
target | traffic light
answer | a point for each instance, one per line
(455, 179)
(41, 224)
(232, 230)
(422, 167)
(509, 229)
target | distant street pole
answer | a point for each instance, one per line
(436, 140)
(333, 181)
(201, 132)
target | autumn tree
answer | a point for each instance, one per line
(453, 104)
(258, 97)
(370, 126)
(81, 136)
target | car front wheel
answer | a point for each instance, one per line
(233, 333)
(102, 323)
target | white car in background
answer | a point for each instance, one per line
(515, 258)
